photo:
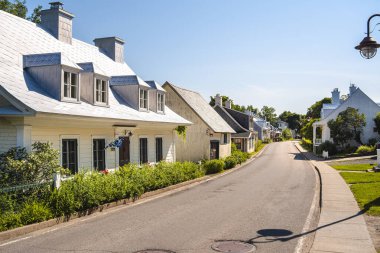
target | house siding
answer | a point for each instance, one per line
(196, 146)
(8, 135)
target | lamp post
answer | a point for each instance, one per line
(368, 46)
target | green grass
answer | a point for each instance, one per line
(357, 178)
(353, 167)
(368, 197)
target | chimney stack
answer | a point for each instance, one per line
(113, 47)
(352, 88)
(335, 96)
(218, 100)
(58, 22)
(228, 103)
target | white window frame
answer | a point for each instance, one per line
(96, 102)
(68, 86)
(145, 100)
(158, 102)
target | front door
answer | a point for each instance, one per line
(214, 150)
(124, 152)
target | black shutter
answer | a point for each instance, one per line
(143, 150)
(159, 155)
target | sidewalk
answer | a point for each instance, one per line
(341, 227)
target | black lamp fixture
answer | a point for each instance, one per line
(368, 46)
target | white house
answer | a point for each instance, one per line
(81, 97)
(356, 99)
(209, 137)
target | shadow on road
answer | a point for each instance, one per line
(283, 235)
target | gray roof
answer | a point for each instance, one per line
(202, 109)
(20, 37)
(155, 85)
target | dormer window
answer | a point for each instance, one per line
(70, 85)
(101, 91)
(144, 99)
(160, 102)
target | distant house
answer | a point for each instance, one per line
(80, 97)
(356, 99)
(282, 125)
(262, 127)
(209, 137)
(242, 123)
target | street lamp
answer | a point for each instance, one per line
(368, 46)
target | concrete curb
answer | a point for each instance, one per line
(16, 232)
(341, 227)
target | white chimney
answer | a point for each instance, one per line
(113, 47)
(218, 100)
(58, 22)
(248, 112)
(228, 103)
(335, 96)
(353, 88)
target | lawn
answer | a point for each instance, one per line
(356, 178)
(353, 167)
(365, 186)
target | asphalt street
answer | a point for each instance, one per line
(266, 203)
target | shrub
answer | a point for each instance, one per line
(34, 212)
(286, 134)
(327, 146)
(307, 144)
(213, 166)
(365, 150)
(9, 220)
(258, 144)
(372, 142)
(240, 156)
(229, 162)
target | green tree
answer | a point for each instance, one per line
(377, 122)
(18, 8)
(269, 114)
(240, 108)
(347, 126)
(314, 111)
(307, 129)
(293, 120)
(286, 134)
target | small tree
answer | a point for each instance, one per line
(347, 126)
(377, 122)
(18, 166)
(286, 134)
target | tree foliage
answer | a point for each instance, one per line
(377, 122)
(314, 111)
(347, 126)
(269, 114)
(18, 166)
(293, 120)
(18, 8)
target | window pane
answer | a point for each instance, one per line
(65, 90)
(73, 79)
(65, 77)
(104, 95)
(73, 92)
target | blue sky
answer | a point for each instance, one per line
(286, 54)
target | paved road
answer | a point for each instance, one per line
(275, 191)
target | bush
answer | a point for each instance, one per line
(286, 134)
(258, 144)
(372, 142)
(213, 166)
(307, 144)
(327, 146)
(35, 212)
(240, 156)
(229, 162)
(9, 220)
(365, 150)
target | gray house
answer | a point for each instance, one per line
(80, 97)
(242, 123)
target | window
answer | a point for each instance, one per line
(70, 85)
(159, 149)
(101, 91)
(143, 150)
(99, 154)
(70, 154)
(225, 138)
(143, 99)
(160, 102)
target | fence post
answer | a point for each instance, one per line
(57, 179)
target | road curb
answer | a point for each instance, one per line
(20, 231)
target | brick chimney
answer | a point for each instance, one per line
(113, 47)
(58, 22)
